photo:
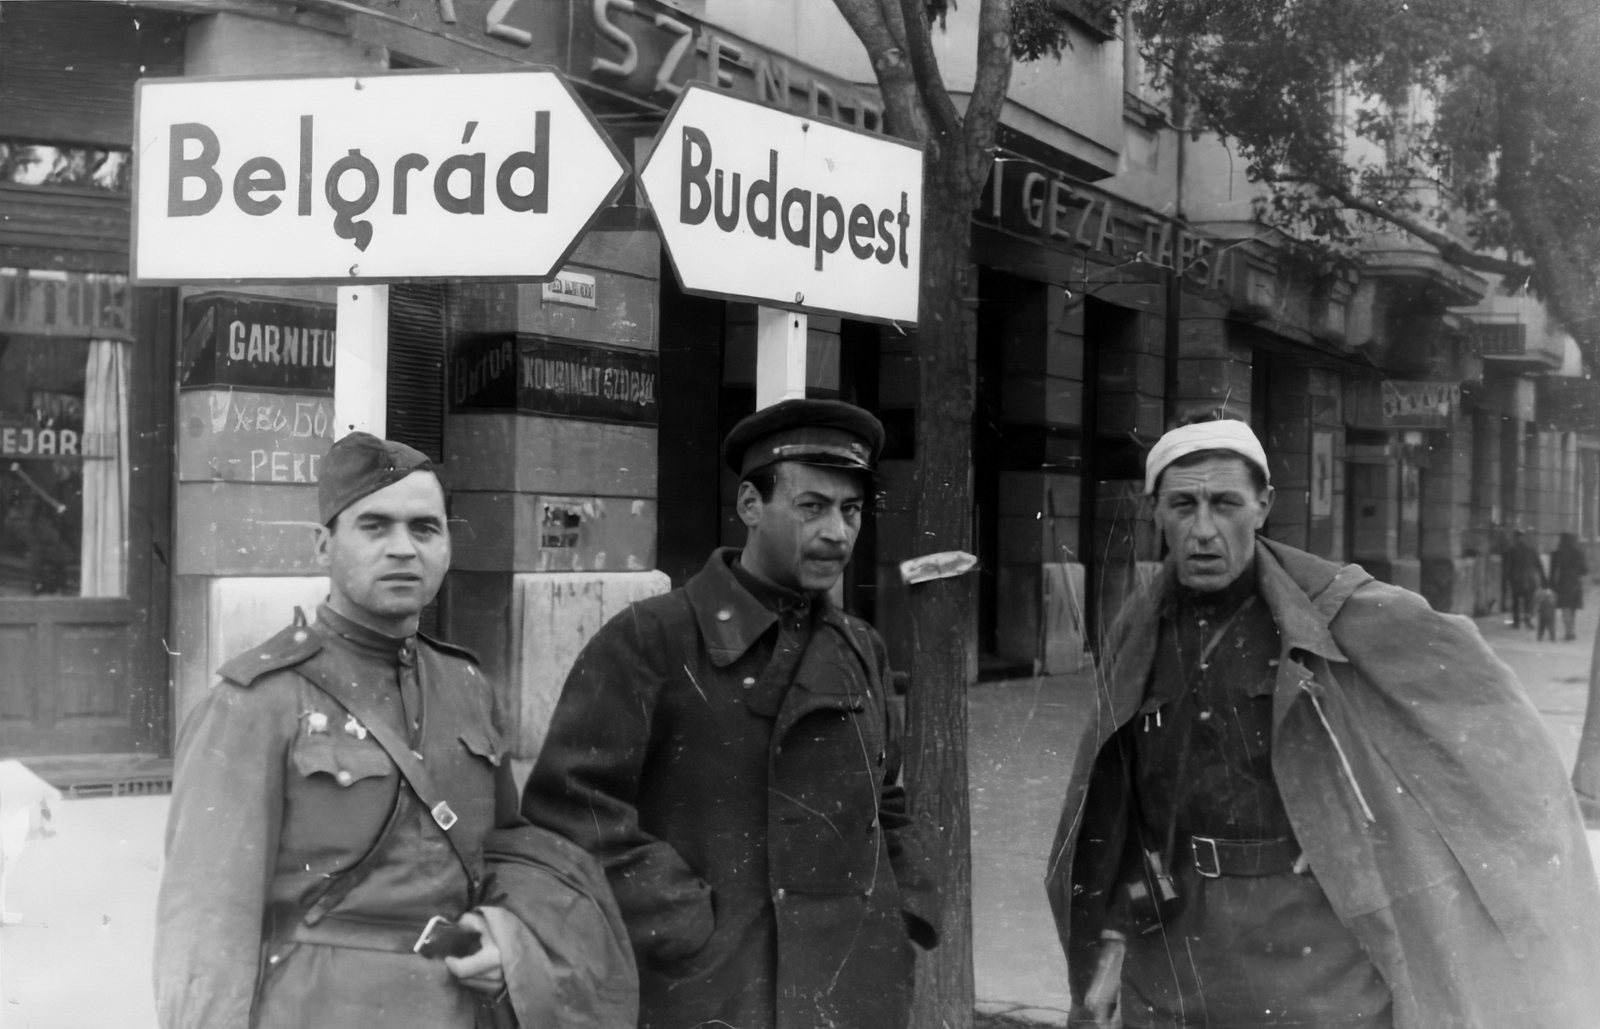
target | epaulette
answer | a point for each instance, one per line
(450, 648)
(288, 648)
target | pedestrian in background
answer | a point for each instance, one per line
(1525, 570)
(731, 753)
(342, 785)
(1568, 566)
(1310, 800)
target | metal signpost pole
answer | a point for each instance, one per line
(361, 370)
(780, 355)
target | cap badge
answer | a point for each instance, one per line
(316, 721)
(355, 728)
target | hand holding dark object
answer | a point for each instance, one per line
(443, 938)
(482, 969)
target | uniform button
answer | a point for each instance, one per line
(274, 959)
(344, 777)
(724, 615)
(779, 895)
(300, 636)
(749, 681)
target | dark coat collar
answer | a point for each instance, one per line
(1303, 592)
(731, 619)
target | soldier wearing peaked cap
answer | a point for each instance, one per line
(343, 785)
(731, 754)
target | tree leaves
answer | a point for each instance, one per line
(1479, 116)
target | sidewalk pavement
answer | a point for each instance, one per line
(80, 957)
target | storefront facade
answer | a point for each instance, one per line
(162, 445)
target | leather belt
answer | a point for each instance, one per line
(333, 931)
(1214, 858)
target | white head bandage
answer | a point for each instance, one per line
(1217, 435)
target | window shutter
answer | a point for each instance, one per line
(416, 368)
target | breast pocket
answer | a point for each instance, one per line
(344, 762)
(338, 795)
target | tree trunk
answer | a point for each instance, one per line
(943, 612)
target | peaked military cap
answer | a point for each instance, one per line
(818, 432)
(359, 465)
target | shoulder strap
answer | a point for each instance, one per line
(290, 647)
(405, 759)
(453, 649)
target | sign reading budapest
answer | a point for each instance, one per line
(755, 204)
(409, 175)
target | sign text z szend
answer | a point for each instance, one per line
(410, 175)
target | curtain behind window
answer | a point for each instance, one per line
(105, 470)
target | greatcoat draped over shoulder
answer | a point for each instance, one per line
(1421, 784)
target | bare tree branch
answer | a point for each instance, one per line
(881, 29)
(1449, 248)
(942, 114)
(990, 83)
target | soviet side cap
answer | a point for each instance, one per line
(359, 465)
(831, 433)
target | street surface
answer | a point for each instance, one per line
(80, 956)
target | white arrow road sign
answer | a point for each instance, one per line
(408, 175)
(755, 204)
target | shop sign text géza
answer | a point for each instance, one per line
(397, 176)
(758, 205)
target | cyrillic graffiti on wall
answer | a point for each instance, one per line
(246, 436)
(234, 340)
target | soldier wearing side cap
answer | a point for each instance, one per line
(731, 754)
(1308, 799)
(343, 785)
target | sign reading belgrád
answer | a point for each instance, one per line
(758, 205)
(409, 175)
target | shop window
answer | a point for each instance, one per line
(63, 467)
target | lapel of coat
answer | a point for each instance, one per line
(730, 619)
(1302, 605)
(831, 676)
(1131, 655)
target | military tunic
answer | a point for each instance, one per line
(1238, 951)
(279, 790)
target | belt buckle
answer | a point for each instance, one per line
(1215, 871)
